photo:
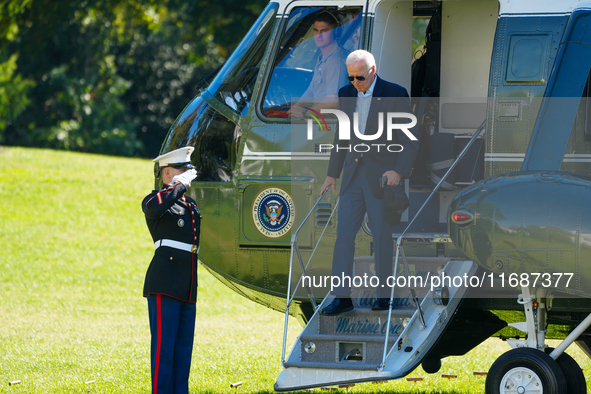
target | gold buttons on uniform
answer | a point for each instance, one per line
(171, 258)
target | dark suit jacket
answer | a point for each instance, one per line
(387, 97)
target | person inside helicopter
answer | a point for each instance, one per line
(330, 72)
(315, 43)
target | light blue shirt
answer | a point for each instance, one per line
(362, 105)
(330, 74)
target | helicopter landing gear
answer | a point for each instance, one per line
(531, 366)
(575, 379)
(525, 371)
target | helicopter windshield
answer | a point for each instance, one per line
(310, 63)
(234, 84)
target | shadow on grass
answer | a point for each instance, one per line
(337, 391)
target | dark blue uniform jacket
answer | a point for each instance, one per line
(172, 215)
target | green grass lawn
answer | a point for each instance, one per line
(74, 249)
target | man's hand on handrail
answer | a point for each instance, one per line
(329, 182)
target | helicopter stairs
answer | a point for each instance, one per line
(350, 341)
(351, 347)
(345, 358)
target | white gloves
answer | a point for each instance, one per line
(186, 177)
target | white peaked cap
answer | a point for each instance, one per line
(177, 158)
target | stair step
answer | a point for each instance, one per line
(348, 338)
(335, 348)
(364, 298)
(319, 365)
(368, 311)
(363, 322)
(420, 269)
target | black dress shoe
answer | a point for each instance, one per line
(381, 304)
(338, 305)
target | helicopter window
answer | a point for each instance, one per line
(214, 137)
(309, 66)
(234, 84)
(526, 61)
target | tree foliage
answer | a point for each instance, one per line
(108, 76)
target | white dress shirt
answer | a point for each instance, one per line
(362, 105)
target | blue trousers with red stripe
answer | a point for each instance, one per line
(172, 325)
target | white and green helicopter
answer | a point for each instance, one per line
(500, 193)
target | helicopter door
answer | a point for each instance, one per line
(456, 39)
(279, 176)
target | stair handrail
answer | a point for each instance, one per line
(401, 236)
(295, 248)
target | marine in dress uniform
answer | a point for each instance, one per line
(171, 280)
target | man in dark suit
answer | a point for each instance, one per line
(363, 162)
(171, 280)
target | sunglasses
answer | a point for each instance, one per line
(360, 78)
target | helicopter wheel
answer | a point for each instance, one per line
(525, 371)
(575, 379)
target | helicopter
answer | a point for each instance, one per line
(497, 232)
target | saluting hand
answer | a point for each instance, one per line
(186, 177)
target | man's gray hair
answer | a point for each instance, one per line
(361, 56)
